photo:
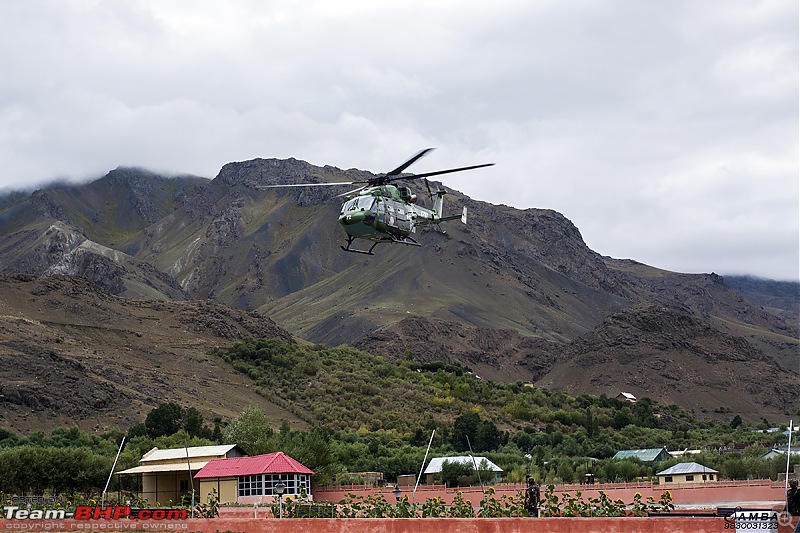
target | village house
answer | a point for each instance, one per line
(482, 463)
(646, 455)
(687, 473)
(257, 479)
(780, 451)
(164, 475)
(682, 453)
(627, 396)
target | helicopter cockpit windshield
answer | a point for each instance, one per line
(362, 203)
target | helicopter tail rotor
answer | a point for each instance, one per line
(438, 202)
(428, 186)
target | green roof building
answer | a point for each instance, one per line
(646, 455)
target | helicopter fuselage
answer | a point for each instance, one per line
(388, 213)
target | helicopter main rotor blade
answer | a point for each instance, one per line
(383, 179)
(408, 163)
(348, 193)
(309, 184)
(440, 172)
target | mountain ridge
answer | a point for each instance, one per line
(524, 278)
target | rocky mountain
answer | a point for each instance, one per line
(654, 351)
(78, 230)
(515, 295)
(781, 298)
(72, 353)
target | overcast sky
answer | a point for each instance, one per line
(667, 131)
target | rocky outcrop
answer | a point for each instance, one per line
(72, 353)
(508, 354)
(674, 357)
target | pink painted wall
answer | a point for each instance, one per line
(704, 496)
(392, 525)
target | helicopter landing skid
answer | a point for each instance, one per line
(350, 240)
(399, 240)
(404, 240)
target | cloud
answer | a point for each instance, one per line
(657, 127)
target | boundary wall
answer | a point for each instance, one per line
(704, 496)
(393, 525)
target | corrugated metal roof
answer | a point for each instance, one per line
(271, 463)
(169, 467)
(687, 468)
(435, 466)
(180, 453)
(644, 454)
(777, 452)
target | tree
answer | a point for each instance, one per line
(137, 430)
(736, 422)
(216, 433)
(313, 449)
(565, 471)
(488, 437)
(464, 429)
(7, 438)
(591, 424)
(643, 412)
(622, 417)
(193, 423)
(251, 431)
(455, 473)
(523, 440)
(165, 419)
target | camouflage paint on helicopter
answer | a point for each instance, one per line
(381, 212)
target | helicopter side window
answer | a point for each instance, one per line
(349, 205)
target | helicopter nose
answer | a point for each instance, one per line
(352, 218)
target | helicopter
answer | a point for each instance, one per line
(382, 212)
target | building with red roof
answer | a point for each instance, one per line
(165, 476)
(253, 479)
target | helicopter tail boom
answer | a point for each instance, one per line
(462, 216)
(438, 207)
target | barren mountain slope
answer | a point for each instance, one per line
(70, 353)
(782, 298)
(672, 357)
(496, 354)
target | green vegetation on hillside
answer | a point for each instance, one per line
(344, 388)
(377, 415)
(369, 414)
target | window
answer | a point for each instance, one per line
(365, 202)
(667, 479)
(362, 203)
(689, 478)
(184, 485)
(264, 484)
(711, 477)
